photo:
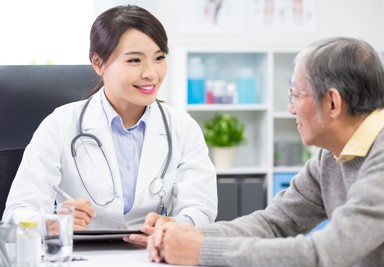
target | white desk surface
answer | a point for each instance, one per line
(111, 254)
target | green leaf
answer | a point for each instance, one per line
(224, 130)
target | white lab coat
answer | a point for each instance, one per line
(190, 181)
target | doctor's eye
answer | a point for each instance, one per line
(134, 60)
(160, 58)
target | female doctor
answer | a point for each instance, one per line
(121, 155)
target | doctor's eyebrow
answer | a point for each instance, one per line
(141, 53)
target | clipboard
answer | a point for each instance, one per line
(88, 235)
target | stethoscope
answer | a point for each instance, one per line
(157, 185)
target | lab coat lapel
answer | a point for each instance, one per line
(95, 122)
(154, 151)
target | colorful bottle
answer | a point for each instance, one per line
(246, 86)
(196, 81)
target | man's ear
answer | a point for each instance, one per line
(97, 64)
(335, 102)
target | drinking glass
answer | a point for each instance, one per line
(58, 236)
(8, 244)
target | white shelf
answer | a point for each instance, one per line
(290, 169)
(227, 107)
(267, 121)
(242, 171)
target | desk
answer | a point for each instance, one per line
(111, 254)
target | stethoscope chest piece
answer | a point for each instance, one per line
(157, 188)
(156, 185)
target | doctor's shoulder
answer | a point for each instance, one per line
(56, 128)
(185, 129)
(180, 120)
(62, 117)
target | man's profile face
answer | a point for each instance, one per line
(308, 120)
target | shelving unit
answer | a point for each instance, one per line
(288, 148)
(267, 121)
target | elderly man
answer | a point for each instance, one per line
(337, 96)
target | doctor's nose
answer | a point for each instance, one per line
(149, 72)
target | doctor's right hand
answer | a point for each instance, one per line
(83, 214)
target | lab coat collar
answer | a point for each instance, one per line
(155, 150)
(94, 116)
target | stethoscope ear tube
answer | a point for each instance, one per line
(73, 148)
(156, 185)
(166, 126)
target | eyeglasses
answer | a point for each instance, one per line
(292, 96)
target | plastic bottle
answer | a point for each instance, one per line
(28, 244)
(211, 75)
(211, 69)
(209, 92)
(231, 96)
(196, 81)
(219, 91)
(246, 86)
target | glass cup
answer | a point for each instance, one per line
(58, 236)
(8, 245)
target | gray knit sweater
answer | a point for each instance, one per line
(350, 194)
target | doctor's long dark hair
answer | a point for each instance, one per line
(110, 25)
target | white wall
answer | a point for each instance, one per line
(356, 18)
(51, 23)
(381, 30)
(24, 25)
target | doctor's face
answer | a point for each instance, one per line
(134, 72)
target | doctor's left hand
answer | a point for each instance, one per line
(152, 221)
(84, 212)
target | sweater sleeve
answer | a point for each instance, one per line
(251, 251)
(351, 237)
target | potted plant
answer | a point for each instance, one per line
(222, 133)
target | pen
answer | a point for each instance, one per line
(62, 193)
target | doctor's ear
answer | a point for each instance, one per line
(97, 64)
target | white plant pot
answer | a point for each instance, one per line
(223, 157)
